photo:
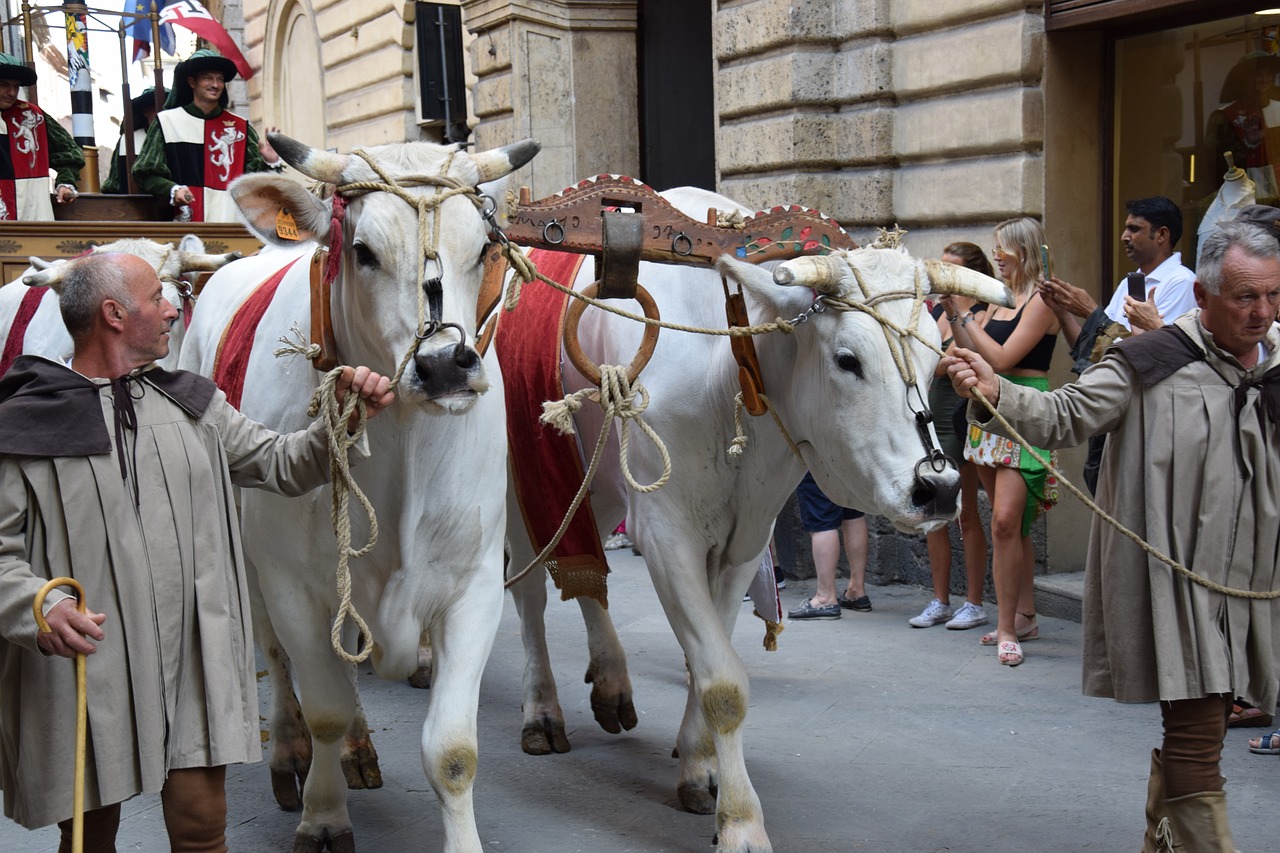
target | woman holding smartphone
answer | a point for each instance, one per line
(1018, 342)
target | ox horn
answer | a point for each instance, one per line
(951, 279)
(821, 272)
(495, 163)
(50, 276)
(319, 165)
(201, 262)
(39, 263)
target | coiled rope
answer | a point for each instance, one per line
(619, 398)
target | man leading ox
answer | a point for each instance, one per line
(1194, 403)
(119, 474)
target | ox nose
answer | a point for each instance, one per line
(465, 357)
(935, 492)
(447, 370)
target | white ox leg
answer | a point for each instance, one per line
(607, 670)
(327, 690)
(461, 640)
(543, 731)
(710, 739)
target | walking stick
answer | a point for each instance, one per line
(82, 707)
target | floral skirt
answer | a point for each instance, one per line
(993, 451)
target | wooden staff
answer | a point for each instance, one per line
(82, 707)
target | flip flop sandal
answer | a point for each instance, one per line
(1266, 745)
(1248, 717)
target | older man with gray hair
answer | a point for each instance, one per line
(120, 474)
(1192, 467)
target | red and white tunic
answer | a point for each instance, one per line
(206, 155)
(24, 163)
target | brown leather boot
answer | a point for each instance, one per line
(195, 810)
(1158, 837)
(100, 827)
(1200, 822)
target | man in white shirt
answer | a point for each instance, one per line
(1151, 230)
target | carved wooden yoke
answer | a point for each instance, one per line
(622, 221)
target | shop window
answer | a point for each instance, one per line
(1185, 99)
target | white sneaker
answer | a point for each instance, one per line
(935, 614)
(616, 541)
(968, 616)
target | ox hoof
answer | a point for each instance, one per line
(286, 786)
(696, 799)
(544, 737)
(360, 766)
(421, 678)
(613, 714)
(343, 842)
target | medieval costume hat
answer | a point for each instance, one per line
(12, 68)
(198, 63)
(1239, 83)
(140, 105)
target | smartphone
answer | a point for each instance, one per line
(1137, 286)
(1046, 262)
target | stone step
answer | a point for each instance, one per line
(1060, 594)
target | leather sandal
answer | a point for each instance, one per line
(1010, 654)
(1028, 632)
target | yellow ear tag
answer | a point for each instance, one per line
(286, 228)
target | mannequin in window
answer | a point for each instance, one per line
(1249, 125)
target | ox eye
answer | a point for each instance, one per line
(848, 362)
(364, 256)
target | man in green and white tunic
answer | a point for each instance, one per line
(120, 474)
(1192, 465)
(195, 148)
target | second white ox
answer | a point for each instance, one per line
(851, 409)
(45, 333)
(438, 468)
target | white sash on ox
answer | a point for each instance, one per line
(205, 155)
(24, 164)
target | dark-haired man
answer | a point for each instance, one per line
(195, 148)
(1151, 230)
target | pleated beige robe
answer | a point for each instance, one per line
(172, 685)
(1198, 481)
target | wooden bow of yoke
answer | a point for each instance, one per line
(621, 222)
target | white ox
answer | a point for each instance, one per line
(45, 333)
(437, 473)
(836, 389)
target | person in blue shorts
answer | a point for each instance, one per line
(826, 523)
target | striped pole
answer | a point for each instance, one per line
(81, 79)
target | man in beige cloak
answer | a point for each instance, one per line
(120, 475)
(1193, 467)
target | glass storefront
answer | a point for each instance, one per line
(1188, 103)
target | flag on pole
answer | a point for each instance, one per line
(141, 29)
(192, 15)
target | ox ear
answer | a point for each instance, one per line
(260, 198)
(758, 280)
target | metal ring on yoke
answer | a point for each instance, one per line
(559, 231)
(682, 245)
(573, 350)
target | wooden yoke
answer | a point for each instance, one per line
(621, 221)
